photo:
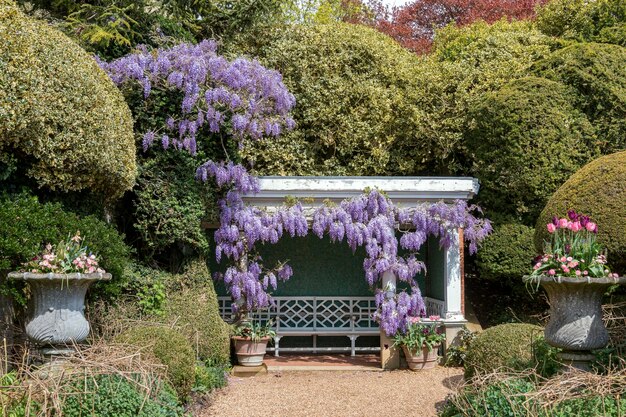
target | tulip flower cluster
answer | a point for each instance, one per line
(69, 256)
(572, 250)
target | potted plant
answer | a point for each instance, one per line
(574, 274)
(420, 342)
(251, 340)
(58, 279)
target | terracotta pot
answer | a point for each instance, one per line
(575, 324)
(56, 308)
(250, 353)
(423, 359)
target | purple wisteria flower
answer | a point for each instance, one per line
(241, 97)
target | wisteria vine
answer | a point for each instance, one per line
(240, 97)
(370, 220)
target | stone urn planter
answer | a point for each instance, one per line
(56, 316)
(422, 359)
(575, 324)
(249, 352)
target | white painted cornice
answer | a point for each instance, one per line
(403, 191)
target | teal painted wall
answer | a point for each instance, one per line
(435, 263)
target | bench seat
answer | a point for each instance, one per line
(351, 333)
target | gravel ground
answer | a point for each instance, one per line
(344, 394)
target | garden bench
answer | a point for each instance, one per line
(322, 316)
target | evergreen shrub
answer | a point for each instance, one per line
(515, 346)
(171, 348)
(353, 87)
(62, 119)
(598, 75)
(527, 140)
(507, 253)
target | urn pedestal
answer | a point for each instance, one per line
(56, 318)
(575, 324)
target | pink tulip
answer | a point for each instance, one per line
(575, 226)
(566, 270)
(578, 273)
(591, 226)
(551, 272)
(563, 223)
(585, 273)
(551, 228)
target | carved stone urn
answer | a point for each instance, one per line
(575, 324)
(56, 316)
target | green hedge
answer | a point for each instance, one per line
(171, 348)
(26, 225)
(599, 191)
(515, 346)
(354, 88)
(63, 119)
(597, 73)
(507, 253)
(528, 139)
(193, 309)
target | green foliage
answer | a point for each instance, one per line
(599, 191)
(354, 90)
(503, 398)
(170, 206)
(507, 253)
(63, 120)
(466, 62)
(193, 308)
(582, 20)
(516, 346)
(209, 378)
(114, 395)
(527, 140)
(171, 348)
(26, 225)
(598, 74)
(148, 287)
(456, 353)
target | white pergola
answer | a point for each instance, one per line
(404, 192)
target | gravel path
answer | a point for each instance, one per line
(342, 394)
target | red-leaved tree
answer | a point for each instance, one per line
(414, 24)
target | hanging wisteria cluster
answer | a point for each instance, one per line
(370, 220)
(241, 97)
(241, 228)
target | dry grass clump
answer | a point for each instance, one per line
(41, 390)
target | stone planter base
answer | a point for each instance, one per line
(250, 353)
(422, 360)
(576, 359)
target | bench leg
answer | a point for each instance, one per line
(276, 345)
(314, 343)
(353, 344)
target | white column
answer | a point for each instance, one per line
(454, 318)
(389, 356)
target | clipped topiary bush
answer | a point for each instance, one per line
(583, 20)
(528, 139)
(194, 311)
(26, 225)
(114, 395)
(516, 346)
(598, 190)
(598, 74)
(353, 88)
(171, 348)
(61, 117)
(506, 254)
